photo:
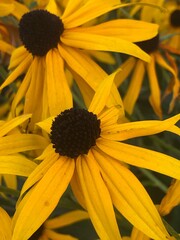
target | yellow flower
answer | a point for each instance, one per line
(48, 49)
(87, 152)
(47, 229)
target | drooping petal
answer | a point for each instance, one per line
(126, 29)
(16, 165)
(141, 157)
(5, 225)
(21, 142)
(155, 97)
(59, 95)
(78, 12)
(124, 131)
(18, 56)
(98, 200)
(134, 87)
(103, 43)
(6, 47)
(171, 199)
(130, 197)
(66, 219)
(42, 199)
(12, 123)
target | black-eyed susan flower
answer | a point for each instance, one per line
(47, 229)
(46, 50)
(87, 151)
(138, 70)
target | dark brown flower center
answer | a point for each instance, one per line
(74, 132)
(175, 18)
(40, 31)
(150, 45)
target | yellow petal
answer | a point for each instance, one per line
(78, 12)
(42, 200)
(5, 225)
(59, 95)
(171, 199)
(19, 10)
(21, 142)
(6, 8)
(16, 165)
(10, 181)
(141, 157)
(46, 124)
(17, 72)
(12, 123)
(5, 47)
(95, 192)
(138, 235)
(155, 97)
(134, 87)
(66, 219)
(101, 96)
(124, 131)
(126, 29)
(58, 236)
(18, 56)
(130, 197)
(103, 43)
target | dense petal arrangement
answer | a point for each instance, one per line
(99, 174)
(43, 58)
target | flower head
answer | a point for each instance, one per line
(96, 171)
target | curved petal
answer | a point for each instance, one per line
(141, 157)
(95, 191)
(12, 123)
(18, 56)
(59, 94)
(78, 12)
(134, 87)
(58, 236)
(103, 43)
(130, 197)
(46, 124)
(6, 47)
(21, 142)
(126, 29)
(124, 131)
(42, 199)
(16, 165)
(155, 97)
(5, 224)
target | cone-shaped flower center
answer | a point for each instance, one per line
(40, 31)
(150, 45)
(38, 233)
(175, 18)
(74, 132)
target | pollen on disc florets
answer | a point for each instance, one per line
(149, 45)
(40, 31)
(74, 132)
(175, 18)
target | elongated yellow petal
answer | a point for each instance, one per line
(19, 10)
(5, 225)
(103, 43)
(101, 96)
(124, 131)
(17, 165)
(58, 236)
(46, 124)
(126, 29)
(130, 197)
(141, 157)
(59, 95)
(134, 87)
(95, 192)
(78, 13)
(155, 97)
(17, 72)
(67, 219)
(171, 199)
(18, 56)
(12, 123)
(6, 47)
(21, 142)
(138, 235)
(42, 199)
(10, 181)
(39, 172)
